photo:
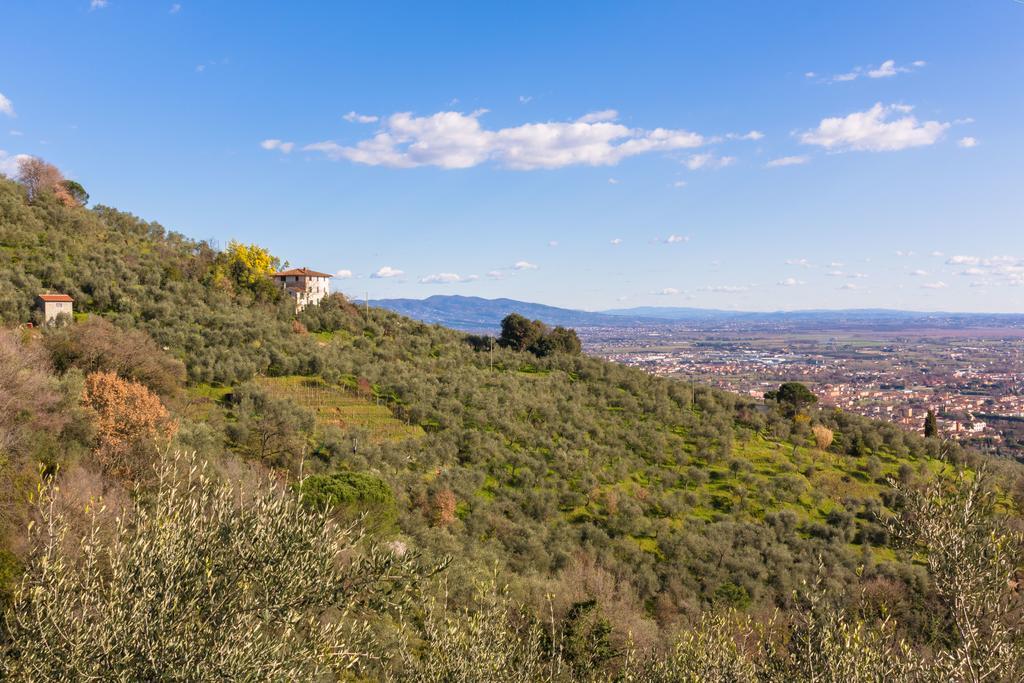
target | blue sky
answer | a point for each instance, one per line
(746, 155)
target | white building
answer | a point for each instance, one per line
(304, 286)
(53, 305)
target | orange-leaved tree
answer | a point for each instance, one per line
(131, 424)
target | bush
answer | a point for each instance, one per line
(200, 584)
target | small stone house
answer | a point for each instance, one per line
(304, 286)
(53, 305)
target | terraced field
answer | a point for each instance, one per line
(335, 405)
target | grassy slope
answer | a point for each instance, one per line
(674, 491)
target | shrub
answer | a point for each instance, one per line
(130, 424)
(200, 584)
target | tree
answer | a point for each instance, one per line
(248, 267)
(793, 396)
(972, 555)
(131, 423)
(565, 340)
(822, 436)
(76, 192)
(520, 333)
(201, 582)
(38, 176)
(97, 345)
(30, 399)
(931, 425)
(266, 427)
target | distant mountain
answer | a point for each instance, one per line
(473, 313)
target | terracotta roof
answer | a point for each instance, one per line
(302, 272)
(56, 297)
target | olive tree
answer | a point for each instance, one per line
(198, 582)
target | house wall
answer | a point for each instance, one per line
(51, 309)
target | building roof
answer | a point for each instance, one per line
(302, 272)
(48, 298)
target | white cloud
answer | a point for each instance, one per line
(935, 253)
(677, 239)
(679, 183)
(451, 139)
(788, 161)
(553, 243)
(886, 69)
(273, 143)
(446, 278)
(496, 275)
(849, 285)
(343, 274)
(857, 276)
(175, 8)
(960, 260)
(6, 106)
(918, 273)
(200, 68)
(707, 160)
(599, 116)
(353, 117)
(616, 242)
(523, 99)
(751, 135)
(802, 262)
(872, 130)
(613, 181)
(967, 142)
(790, 282)
(97, 4)
(996, 269)
(386, 272)
(934, 285)
(836, 264)
(726, 289)
(525, 265)
(9, 163)
(835, 273)
(16, 133)
(668, 291)
(901, 252)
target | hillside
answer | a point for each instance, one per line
(568, 475)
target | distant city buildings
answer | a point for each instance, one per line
(975, 386)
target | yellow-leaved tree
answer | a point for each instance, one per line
(247, 267)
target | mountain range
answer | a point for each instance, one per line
(472, 313)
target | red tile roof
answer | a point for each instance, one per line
(56, 297)
(302, 272)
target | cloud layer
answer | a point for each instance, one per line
(451, 139)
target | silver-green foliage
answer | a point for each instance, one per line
(199, 582)
(972, 558)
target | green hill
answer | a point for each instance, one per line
(571, 476)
